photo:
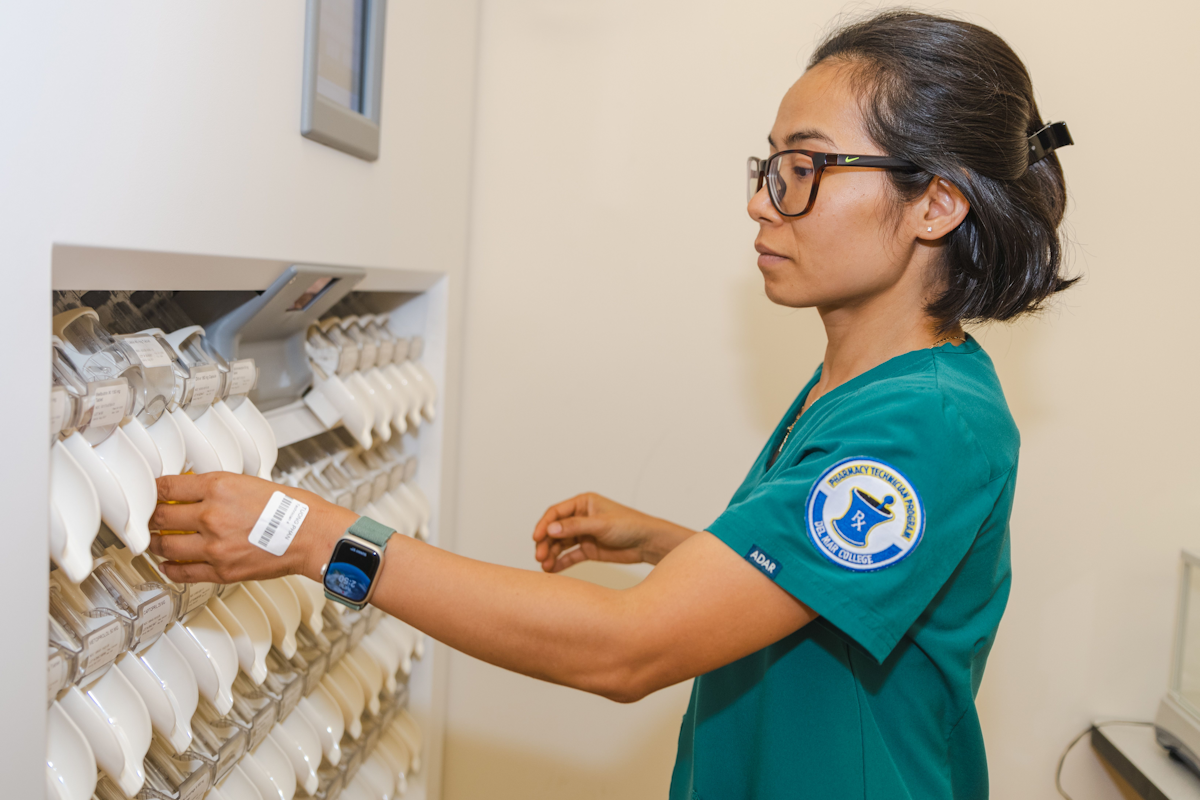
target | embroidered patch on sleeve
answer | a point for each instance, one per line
(864, 515)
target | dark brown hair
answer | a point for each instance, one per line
(955, 99)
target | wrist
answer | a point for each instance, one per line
(662, 537)
(321, 530)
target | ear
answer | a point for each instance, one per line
(940, 210)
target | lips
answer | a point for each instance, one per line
(766, 251)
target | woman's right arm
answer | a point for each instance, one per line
(590, 527)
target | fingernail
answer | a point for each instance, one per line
(554, 528)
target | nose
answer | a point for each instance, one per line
(761, 209)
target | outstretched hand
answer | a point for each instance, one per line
(209, 518)
(590, 527)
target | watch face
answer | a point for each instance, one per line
(351, 570)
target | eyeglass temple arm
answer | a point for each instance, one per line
(851, 160)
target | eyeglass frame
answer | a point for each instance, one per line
(821, 161)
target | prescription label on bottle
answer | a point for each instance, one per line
(199, 596)
(206, 383)
(196, 785)
(154, 616)
(56, 673)
(58, 409)
(103, 646)
(149, 351)
(278, 523)
(111, 401)
(242, 374)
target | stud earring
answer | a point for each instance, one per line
(930, 230)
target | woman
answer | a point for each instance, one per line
(838, 615)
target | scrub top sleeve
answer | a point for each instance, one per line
(871, 515)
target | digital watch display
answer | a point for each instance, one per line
(349, 576)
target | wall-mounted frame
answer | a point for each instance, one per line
(343, 74)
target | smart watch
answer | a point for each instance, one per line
(349, 575)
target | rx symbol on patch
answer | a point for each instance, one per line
(858, 520)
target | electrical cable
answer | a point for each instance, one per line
(1063, 758)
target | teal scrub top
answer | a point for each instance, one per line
(887, 513)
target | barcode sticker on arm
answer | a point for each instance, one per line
(278, 523)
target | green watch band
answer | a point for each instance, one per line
(372, 531)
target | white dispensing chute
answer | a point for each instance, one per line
(324, 714)
(122, 479)
(283, 611)
(74, 506)
(243, 376)
(206, 394)
(110, 720)
(383, 394)
(254, 433)
(210, 652)
(385, 369)
(187, 404)
(70, 762)
(351, 363)
(416, 349)
(161, 670)
(251, 631)
(331, 399)
(412, 393)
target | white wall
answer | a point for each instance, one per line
(618, 340)
(175, 126)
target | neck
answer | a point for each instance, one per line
(865, 336)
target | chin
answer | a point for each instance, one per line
(785, 296)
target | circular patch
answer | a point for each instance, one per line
(864, 515)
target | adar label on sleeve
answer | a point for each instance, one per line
(763, 562)
(278, 523)
(864, 515)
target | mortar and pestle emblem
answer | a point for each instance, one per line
(864, 513)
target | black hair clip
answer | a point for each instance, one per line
(1053, 136)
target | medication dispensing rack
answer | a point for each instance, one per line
(285, 328)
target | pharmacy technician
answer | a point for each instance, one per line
(838, 615)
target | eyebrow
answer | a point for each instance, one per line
(795, 137)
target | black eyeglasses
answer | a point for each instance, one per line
(793, 176)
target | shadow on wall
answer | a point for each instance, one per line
(502, 771)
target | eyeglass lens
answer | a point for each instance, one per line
(789, 179)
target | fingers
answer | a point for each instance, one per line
(550, 550)
(183, 488)
(567, 508)
(569, 558)
(572, 527)
(180, 517)
(190, 573)
(178, 546)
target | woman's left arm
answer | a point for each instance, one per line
(702, 607)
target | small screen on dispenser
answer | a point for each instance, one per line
(318, 288)
(351, 570)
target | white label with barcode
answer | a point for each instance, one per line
(278, 523)
(149, 351)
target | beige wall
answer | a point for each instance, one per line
(618, 340)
